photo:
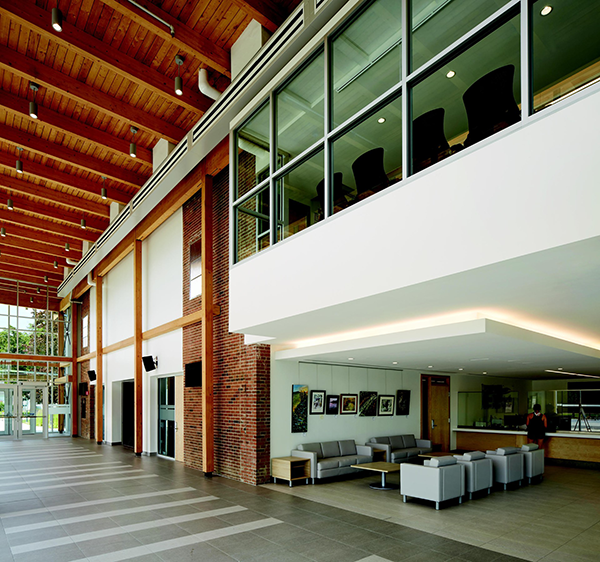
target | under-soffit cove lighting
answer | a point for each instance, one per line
(561, 372)
(546, 10)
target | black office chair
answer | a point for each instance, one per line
(340, 201)
(369, 173)
(428, 138)
(490, 104)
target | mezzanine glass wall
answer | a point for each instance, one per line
(368, 108)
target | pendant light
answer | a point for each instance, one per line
(132, 145)
(45, 279)
(55, 264)
(3, 232)
(57, 18)
(9, 204)
(38, 290)
(19, 164)
(83, 223)
(178, 80)
(67, 247)
(33, 107)
(103, 190)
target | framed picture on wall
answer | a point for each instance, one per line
(402, 402)
(299, 408)
(333, 404)
(386, 405)
(348, 403)
(317, 402)
(368, 403)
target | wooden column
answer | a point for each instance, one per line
(74, 365)
(99, 378)
(208, 442)
(61, 370)
(137, 345)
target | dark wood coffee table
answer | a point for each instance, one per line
(384, 468)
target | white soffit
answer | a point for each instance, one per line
(479, 346)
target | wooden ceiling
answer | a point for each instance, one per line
(111, 68)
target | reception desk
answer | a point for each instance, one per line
(563, 445)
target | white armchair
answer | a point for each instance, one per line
(534, 461)
(478, 471)
(508, 465)
(438, 480)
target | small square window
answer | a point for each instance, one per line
(196, 269)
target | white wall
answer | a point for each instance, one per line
(338, 380)
(525, 190)
(118, 302)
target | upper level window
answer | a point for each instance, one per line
(85, 331)
(196, 269)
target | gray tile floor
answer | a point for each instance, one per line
(70, 500)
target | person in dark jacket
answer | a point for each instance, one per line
(537, 423)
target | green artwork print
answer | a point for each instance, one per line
(299, 408)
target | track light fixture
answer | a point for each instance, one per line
(3, 232)
(83, 223)
(9, 204)
(57, 18)
(19, 164)
(103, 190)
(55, 264)
(132, 145)
(178, 80)
(67, 247)
(33, 107)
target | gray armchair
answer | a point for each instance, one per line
(478, 471)
(508, 465)
(534, 461)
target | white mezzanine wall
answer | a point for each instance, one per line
(334, 379)
(118, 302)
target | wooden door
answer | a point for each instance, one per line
(435, 410)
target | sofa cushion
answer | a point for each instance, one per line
(399, 454)
(409, 441)
(330, 449)
(313, 447)
(412, 452)
(328, 463)
(506, 450)
(473, 456)
(360, 459)
(529, 447)
(347, 447)
(397, 442)
(383, 440)
(442, 461)
(346, 460)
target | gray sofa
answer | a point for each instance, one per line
(333, 458)
(400, 448)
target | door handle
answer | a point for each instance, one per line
(432, 424)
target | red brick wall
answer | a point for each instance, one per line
(241, 372)
(87, 427)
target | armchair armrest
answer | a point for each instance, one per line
(365, 450)
(307, 455)
(423, 443)
(382, 447)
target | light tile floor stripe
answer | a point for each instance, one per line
(104, 533)
(69, 477)
(73, 484)
(57, 459)
(18, 474)
(51, 454)
(162, 546)
(105, 514)
(75, 505)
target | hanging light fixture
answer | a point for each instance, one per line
(33, 107)
(103, 190)
(67, 247)
(178, 80)
(57, 18)
(38, 290)
(30, 299)
(9, 204)
(3, 232)
(45, 279)
(55, 264)
(83, 223)
(132, 145)
(19, 164)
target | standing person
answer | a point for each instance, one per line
(537, 423)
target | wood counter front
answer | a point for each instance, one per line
(574, 447)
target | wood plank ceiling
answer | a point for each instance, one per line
(111, 68)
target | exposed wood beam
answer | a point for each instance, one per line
(208, 439)
(99, 418)
(267, 13)
(29, 238)
(47, 226)
(23, 204)
(40, 146)
(34, 257)
(34, 358)
(85, 44)
(72, 127)
(55, 81)
(86, 206)
(22, 274)
(186, 320)
(86, 357)
(128, 342)
(186, 39)
(138, 375)
(43, 268)
(63, 178)
(81, 288)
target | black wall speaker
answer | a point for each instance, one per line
(148, 363)
(83, 389)
(193, 374)
(92, 375)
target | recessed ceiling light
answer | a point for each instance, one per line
(560, 368)
(460, 368)
(485, 372)
(394, 362)
(381, 120)
(450, 74)
(546, 10)
(431, 366)
(350, 358)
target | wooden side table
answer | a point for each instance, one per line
(290, 469)
(379, 455)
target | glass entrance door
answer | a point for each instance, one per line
(7, 411)
(166, 417)
(23, 411)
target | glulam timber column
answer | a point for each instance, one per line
(74, 371)
(99, 364)
(208, 440)
(137, 344)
